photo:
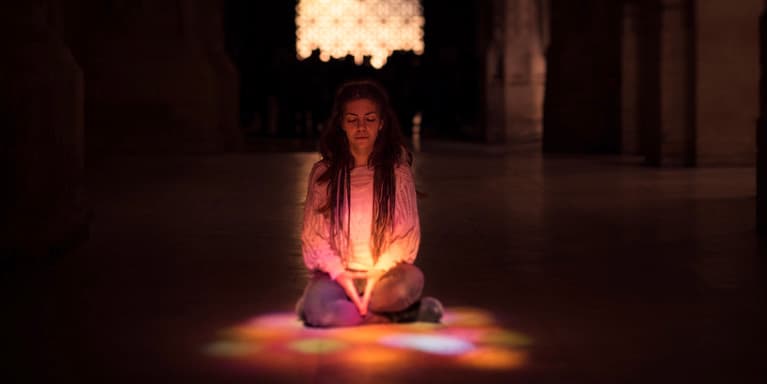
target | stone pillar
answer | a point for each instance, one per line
(150, 83)
(761, 128)
(667, 82)
(524, 69)
(676, 84)
(494, 18)
(630, 81)
(204, 24)
(727, 81)
(515, 70)
(698, 82)
(42, 202)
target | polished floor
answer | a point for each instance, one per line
(553, 270)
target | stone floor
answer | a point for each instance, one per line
(554, 269)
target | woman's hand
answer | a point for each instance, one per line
(372, 276)
(346, 281)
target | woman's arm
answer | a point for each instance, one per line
(315, 234)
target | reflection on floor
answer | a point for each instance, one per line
(278, 342)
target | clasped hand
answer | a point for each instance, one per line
(346, 280)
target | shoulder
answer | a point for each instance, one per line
(403, 165)
(318, 169)
(403, 172)
(319, 166)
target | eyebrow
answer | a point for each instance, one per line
(368, 113)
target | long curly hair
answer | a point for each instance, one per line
(388, 151)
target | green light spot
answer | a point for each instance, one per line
(230, 349)
(317, 346)
(423, 326)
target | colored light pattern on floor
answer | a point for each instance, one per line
(468, 337)
(437, 344)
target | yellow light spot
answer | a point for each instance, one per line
(317, 346)
(421, 326)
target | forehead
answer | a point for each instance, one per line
(361, 107)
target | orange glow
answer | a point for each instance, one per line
(376, 357)
(494, 358)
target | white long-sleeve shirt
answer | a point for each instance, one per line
(402, 243)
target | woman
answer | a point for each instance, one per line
(361, 231)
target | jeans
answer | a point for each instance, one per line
(325, 303)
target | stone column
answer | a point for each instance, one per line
(204, 25)
(494, 17)
(676, 84)
(667, 82)
(515, 71)
(761, 128)
(42, 202)
(524, 69)
(727, 80)
(630, 81)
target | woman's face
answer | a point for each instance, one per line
(361, 121)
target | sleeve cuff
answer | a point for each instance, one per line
(334, 269)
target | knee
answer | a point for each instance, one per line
(412, 274)
(394, 297)
(321, 290)
(410, 281)
(401, 288)
(340, 313)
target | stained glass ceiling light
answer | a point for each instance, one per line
(359, 28)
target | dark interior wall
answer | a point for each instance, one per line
(155, 77)
(582, 97)
(42, 200)
(100, 77)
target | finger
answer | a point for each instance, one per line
(368, 292)
(361, 307)
(351, 291)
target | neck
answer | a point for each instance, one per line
(360, 157)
